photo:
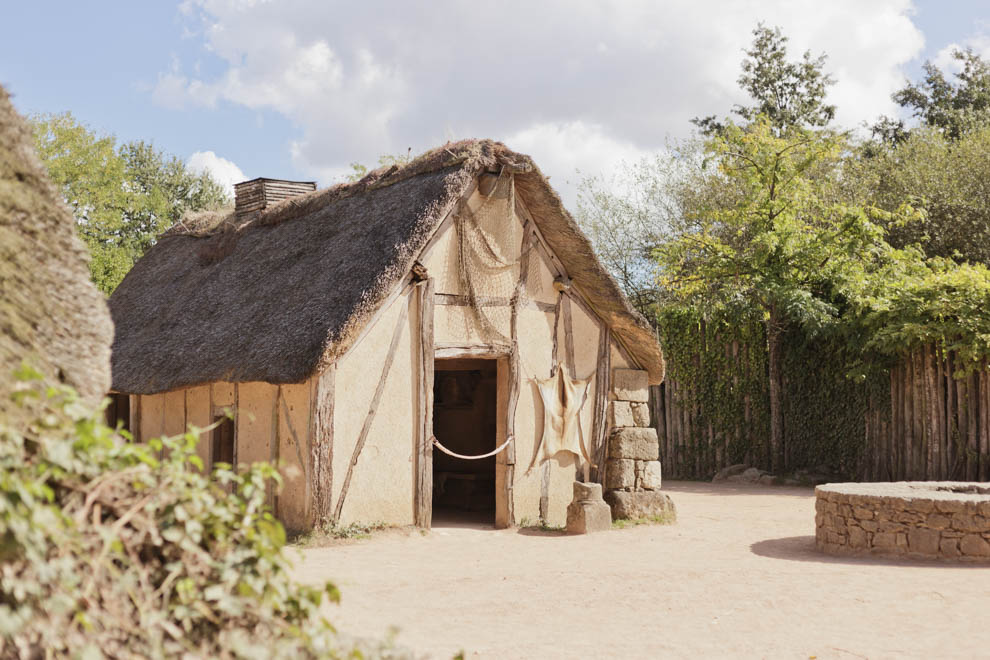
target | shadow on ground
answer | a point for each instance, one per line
(802, 548)
(736, 488)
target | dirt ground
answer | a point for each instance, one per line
(736, 576)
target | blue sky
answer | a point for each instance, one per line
(301, 88)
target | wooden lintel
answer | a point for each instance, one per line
(452, 299)
(445, 351)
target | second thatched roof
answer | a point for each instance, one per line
(276, 298)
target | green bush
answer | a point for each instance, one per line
(114, 549)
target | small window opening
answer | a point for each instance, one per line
(222, 441)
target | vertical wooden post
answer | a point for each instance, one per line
(321, 448)
(603, 383)
(423, 513)
(514, 377)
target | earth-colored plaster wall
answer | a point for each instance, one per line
(381, 487)
(293, 452)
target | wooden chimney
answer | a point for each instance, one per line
(258, 194)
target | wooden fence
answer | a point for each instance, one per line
(932, 426)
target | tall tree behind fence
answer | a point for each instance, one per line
(924, 424)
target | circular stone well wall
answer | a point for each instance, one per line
(923, 519)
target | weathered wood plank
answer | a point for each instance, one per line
(321, 448)
(424, 454)
(600, 422)
(455, 300)
(455, 350)
(515, 375)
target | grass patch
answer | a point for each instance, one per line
(541, 525)
(667, 518)
(331, 533)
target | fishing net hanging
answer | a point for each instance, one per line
(490, 251)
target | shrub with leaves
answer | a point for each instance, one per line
(114, 549)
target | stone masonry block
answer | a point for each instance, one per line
(622, 414)
(650, 476)
(588, 512)
(620, 473)
(630, 385)
(641, 414)
(641, 504)
(636, 443)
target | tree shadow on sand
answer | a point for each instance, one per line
(802, 548)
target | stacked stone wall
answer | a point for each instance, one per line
(929, 520)
(632, 471)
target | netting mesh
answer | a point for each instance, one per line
(490, 251)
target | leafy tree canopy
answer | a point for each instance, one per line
(945, 178)
(789, 94)
(121, 196)
(950, 106)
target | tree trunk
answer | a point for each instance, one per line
(776, 393)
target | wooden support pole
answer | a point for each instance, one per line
(603, 383)
(423, 514)
(321, 447)
(372, 409)
(514, 377)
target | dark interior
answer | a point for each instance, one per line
(464, 420)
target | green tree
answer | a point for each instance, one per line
(948, 179)
(122, 197)
(786, 246)
(789, 94)
(951, 106)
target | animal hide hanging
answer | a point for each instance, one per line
(562, 398)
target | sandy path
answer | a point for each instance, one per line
(738, 575)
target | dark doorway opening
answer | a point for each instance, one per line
(465, 403)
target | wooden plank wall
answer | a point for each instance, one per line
(932, 427)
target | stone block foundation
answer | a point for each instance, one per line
(920, 519)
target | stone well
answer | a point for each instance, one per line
(921, 519)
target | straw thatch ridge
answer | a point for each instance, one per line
(51, 315)
(279, 296)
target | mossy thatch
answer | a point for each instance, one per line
(51, 315)
(278, 296)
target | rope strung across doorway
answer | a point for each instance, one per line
(471, 458)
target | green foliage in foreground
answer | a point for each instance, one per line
(112, 549)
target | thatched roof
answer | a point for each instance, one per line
(51, 315)
(278, 296)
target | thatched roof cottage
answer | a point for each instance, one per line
(452, 299)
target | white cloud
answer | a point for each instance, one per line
(223, 171)
(978, 42)
(581, 83)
